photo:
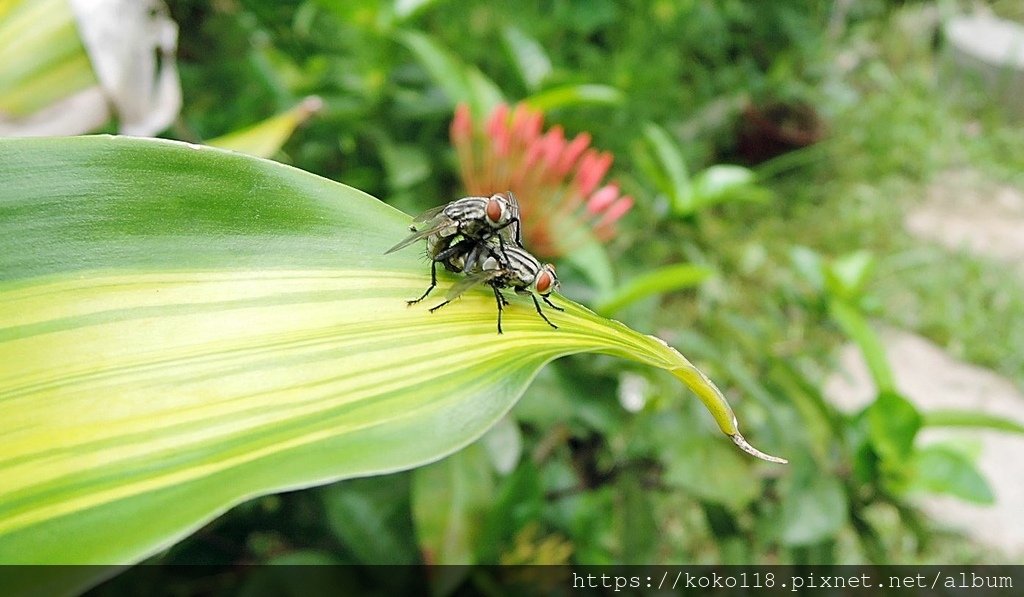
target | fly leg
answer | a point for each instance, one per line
(433, 283)
(436, 307)
(442, 257)
(460, 248)
(537, 305)
(500, 300)
(552, 305)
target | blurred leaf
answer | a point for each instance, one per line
(444, 68)
(264, 139)
(853, 324)
(306, 568)
(846, 276)
(547, 399)
(893, 423)
(574, 95)
(42, 59)
(823, 425)
(531, 61)
(449, 501)
(723, 183)
(637, 525)
(371, 516)
(810, 266)
(520, 500)
(688, 459)
(484, 94)
(970, 418)
(406, 9)
(591, 259)
(406, 165)
(183, 328)
(677, 177)
(461, 83)
(504, 445)
(814, 506)
(938, 469)
(664, 279)
(304, 557)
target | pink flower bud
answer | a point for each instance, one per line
(554, 143)
(572, 153)
(497, 124)
(616, 211)
(593, 166)
(601, 199)
(461, 130)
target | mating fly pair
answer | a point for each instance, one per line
(481, 238)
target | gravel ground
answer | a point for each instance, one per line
(933, 379)
(961, 211)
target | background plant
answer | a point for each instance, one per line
(598, 462)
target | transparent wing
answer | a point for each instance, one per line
(514, 231)
(435, 226)
(430, 214)
(470, 281)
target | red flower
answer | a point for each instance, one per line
(557, 181)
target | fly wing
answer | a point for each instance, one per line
(470, 281)
(437, 225)
(430, 214)
(514, 231)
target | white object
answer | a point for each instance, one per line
(131, 45)
(990, 49)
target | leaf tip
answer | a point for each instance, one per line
(746, 447)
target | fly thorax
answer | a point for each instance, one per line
(449, 229)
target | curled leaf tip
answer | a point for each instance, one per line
(746, 447)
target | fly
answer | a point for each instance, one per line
(453, 230)
(513, 268)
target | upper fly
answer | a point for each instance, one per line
(453, 230)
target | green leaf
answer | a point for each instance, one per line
(939, 469)
(970, 418)
(531, 61)
(814, 506)
(725, 182)
(460, 82)
(591, 259)
(687, 458)
(847, 275)
(574, 95)
(372, 517)
(519, 500)
(447, 71)
(854, 325)
(504, 445)
(406, 9)
(680, 189)
(265, 138)
(664, 279)
(42, 59)
(184, 328)
(450, 499)
(893, 423)
(809, 265)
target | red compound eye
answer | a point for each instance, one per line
(543, 282)
(494, 210)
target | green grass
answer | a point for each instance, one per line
(883, 153)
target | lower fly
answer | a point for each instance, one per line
(512, 268)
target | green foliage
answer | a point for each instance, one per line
(599, 462)
(687, 196)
